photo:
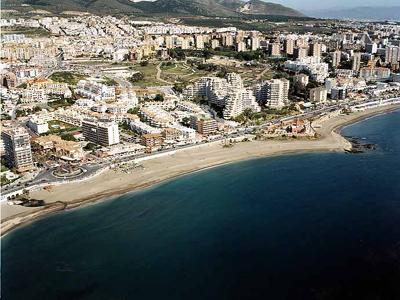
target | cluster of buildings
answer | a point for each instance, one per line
(227, 93)
(357, 60)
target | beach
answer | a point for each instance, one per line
(111, 183)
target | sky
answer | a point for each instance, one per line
(322, 4)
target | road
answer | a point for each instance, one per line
(158, 76)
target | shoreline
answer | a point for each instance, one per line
(189, 161)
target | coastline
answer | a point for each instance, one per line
(110, 184)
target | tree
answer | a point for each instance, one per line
(133, 111)
(159, 97)
(136, 77)
(68, 137)
(186, 121)
(90, 147)
(178, 54)
(222, 73)
(207, 54)
(178, 87)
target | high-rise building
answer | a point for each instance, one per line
(338, 93)
(371, 48)
(356, 64)
(214, 43)
(277, 93)
(315, 49)
(241, 47)
(329, 84)
(239, 36)
(300, 52)
(255, 43)
(392, 54)
(227, 40)
(169, 42)
(275, 49)
(104, 133)
(17, 147)
(301, 42)
(336, 58)
(199, 42)
(288, 46)
(301, 79)
(185, 43)
(318, 94)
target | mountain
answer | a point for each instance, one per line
(258, 7)
(188, 7)
(224, 8)
(360, 13)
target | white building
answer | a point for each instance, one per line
(104, 133)
(38, 125)
(95, 90)
(318, 71)
(318, 94)
(274, 93)
(17, 147)
(32, 95)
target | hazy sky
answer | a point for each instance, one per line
(318, 4)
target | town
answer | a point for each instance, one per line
(81, 94)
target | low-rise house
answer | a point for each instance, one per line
(68, 150)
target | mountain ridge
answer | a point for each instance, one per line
(222, 8)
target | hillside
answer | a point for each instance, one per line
(160, 7)
(258, 7)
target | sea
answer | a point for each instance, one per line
(302, 226)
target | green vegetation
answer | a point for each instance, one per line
(28, 31)
(22, 86)
(5, 117)
(26, 112)
(133, 111)
(67, 77)
(68, 137)
(267, 114)
(4, 180)
(125, 128)
(60, 128)
(60, 102)
(207, 67)
(178, 87)
(136, 77)
(90, 147)
(180, 54)
(4, 168)
(109, 81)
(159, 97)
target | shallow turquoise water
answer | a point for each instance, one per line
(310, 226)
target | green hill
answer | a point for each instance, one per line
(159, 7)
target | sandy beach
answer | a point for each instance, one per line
(111, 183)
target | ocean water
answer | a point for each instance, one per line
(310, 226)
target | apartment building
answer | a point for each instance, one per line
(203, 125)
(318, 94)
(17, 147)
(156, 116)
(94, 90)
(104, 133)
